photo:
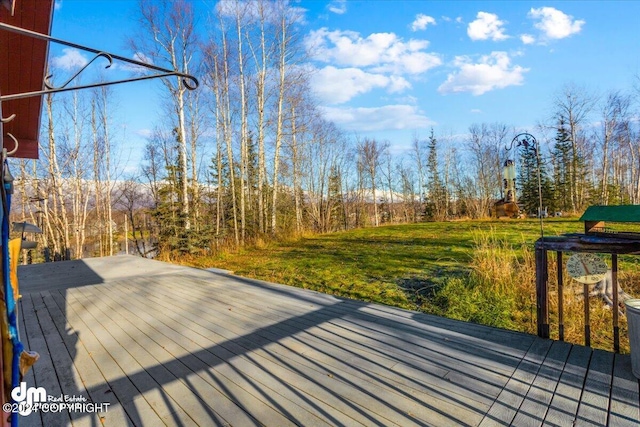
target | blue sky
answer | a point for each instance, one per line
(391, 69)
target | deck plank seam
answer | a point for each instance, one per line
(584, 383)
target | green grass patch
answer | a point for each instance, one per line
(398, 265)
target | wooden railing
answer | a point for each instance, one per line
(577, 243)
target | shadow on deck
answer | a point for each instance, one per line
(171, 345)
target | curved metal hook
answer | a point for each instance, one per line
(49, 86)
(525, 139)
(8, 119)
(190, 82)
(12, 152)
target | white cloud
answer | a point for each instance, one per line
(475, 111)
(138, 69)
(383, 51)
(71, 59)
(422, 21)
(338, 6)
(407, 99)
(527, 39)
(339, 85)
(486, 26)
(397, 84)
(492, 72)
(555, 24)
(415, 63)
(388, 117)
(57, 5)
(355, 65)
(145, 133)
(141, 57)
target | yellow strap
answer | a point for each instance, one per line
(14, 256)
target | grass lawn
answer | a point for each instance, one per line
(386, 264)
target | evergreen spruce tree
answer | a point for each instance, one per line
(170, 217)
(166, 213)
(252, 216)
(529, 200)
(561, 161)
(222, 179)
(436, 206)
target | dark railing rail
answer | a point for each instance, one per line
(577, 243)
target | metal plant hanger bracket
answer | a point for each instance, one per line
(189, 81)
(524, 139)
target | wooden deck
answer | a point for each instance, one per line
(170, 345)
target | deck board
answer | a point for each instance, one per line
(624, 395)
(131, 360)
(126, 392)
(175, 346)
(565, 401)
(344, 349)
(420, 339)
(507, 405)
(533, 410)
(53, 371)
(593, 409)
(89, 373)
(258, 372)
(164, 366)
(188, 338)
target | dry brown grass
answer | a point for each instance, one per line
(600, 314)
(508, 269)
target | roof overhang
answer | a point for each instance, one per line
(23, 62)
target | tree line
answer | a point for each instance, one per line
(249, 155)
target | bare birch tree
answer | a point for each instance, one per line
(574, 103)
(370, 152)
(168, 36)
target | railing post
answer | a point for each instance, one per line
(616, 307)
(587, 321)
(542, 291)
(560, 297)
